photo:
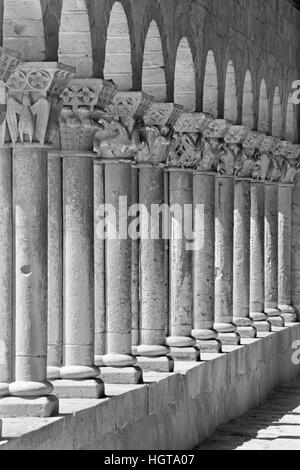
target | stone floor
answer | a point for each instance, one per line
(273, 426)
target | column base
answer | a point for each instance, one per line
(98, 361)
(274, 317)
(262, 326)
(277, 321)
(157, 364)
(209, 346)
(53, 373)
(122, 375)
(29, 407)
(4, 390)
(85, 389)
(247, 331)
(288, 313)
(229, 339)
(191, 354)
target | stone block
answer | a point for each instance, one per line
(125, 375)
(14, 407)
(158, 364)
(185, 354)
(85, 389)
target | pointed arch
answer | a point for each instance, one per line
(263, 112)
(153, 76)
(118, 65)
(290, 126)
(23, 29)
(184, 80)
(247, 112)
(75, 46)
(277, 114)
(230, 100)
(210, 87)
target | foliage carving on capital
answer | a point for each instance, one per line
(192, 122)
(9, 60)
(83, 100)
(228, 155)
(162, 114)
(155, 144)
(117, 139)
(33, 102)
(248, 164)
(211, 148)
(185, 151)
(128, 104)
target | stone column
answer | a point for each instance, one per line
(271, 255)
(114, 147)
(152, 351)
(295, 280)
(241, 259)
(224, 203)
(99, 249)
(6, 272)
(55, 266)
(204, 263)
(284, 252)
(135, 266)
(8, 63)
(33, 89)
(257, 258)
(181, 267)
(79, 376)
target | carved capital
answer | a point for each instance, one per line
(253, 140)
(162, 114)
(33, 101)
(192, 122)
(236, 135)
(9, 60)
(229, 154)
(128, 104)
(263, 162)
(83, 101)
(155, 144)
(185, 151)
(117, 139)
(217, 129)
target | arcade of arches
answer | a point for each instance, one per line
(171, 102)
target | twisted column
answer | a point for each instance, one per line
(31, 118)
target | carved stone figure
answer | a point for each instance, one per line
(27, 121)
(113, 140)
(155, 145)
(210, 154)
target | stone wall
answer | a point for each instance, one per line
(262, 37)
(170, 411)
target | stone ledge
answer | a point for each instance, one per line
(170, 410)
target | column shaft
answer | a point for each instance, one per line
(257, 258)
(154, 294)
(118, 257)
(203, 265)
(135, 266)
(181, 267)
(224, 203)
(30, 215)
(6, 272)
(99, 247)
(55, 267)
(241, 259)
(79, 322)
(295, 281)
(271, 254)
(284, 251)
